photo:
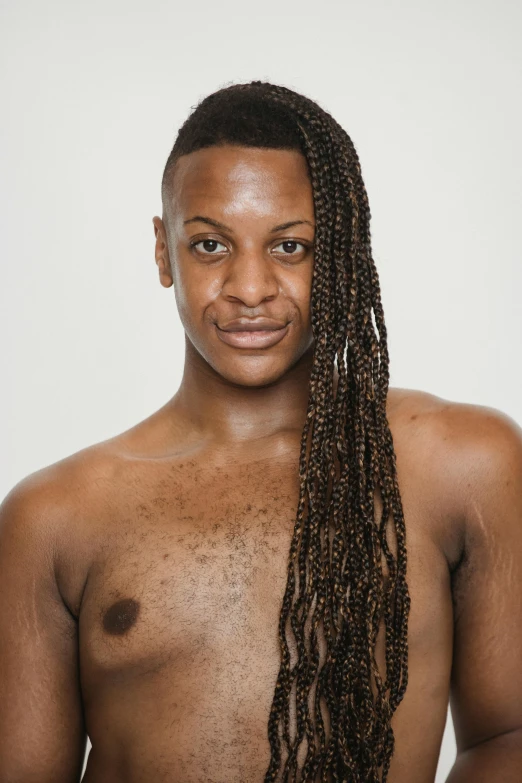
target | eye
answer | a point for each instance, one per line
(208, 246)
(289, 247)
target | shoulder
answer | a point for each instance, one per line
(43, 508)
(460, 427)
(59, 499)
(477, 439)
(52, 499)
(472, 452)
(427, 416)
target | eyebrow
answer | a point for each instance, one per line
(217, 224)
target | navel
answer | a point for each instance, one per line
(121, 616)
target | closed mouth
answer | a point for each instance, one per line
(248, 336)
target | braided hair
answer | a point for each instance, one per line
(343, 576)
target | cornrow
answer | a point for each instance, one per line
(342, 577)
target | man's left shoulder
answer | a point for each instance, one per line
(477, 448)
(460, 424)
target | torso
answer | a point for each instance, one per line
(176, 569)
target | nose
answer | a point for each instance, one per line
(250, 278)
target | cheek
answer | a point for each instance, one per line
(298, 288)
(195, 291)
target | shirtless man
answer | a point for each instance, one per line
(142, 578)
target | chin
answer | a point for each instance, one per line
(252, 377)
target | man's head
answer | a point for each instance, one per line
(237, 240)
(239, 162)
(265, 214)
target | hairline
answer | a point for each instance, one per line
(170, 167)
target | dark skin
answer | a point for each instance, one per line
(141, 578)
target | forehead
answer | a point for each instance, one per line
(232, 179)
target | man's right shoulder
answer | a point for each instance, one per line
(65, 493)
(48, 519)
(44, 502)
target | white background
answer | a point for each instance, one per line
(92, 97)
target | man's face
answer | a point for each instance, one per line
(237, 243)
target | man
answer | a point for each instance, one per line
(287, 571)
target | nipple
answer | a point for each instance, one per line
(121, 616)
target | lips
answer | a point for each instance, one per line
(252, 333)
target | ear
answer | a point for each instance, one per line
(161, 253)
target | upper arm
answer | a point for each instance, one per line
(42, 736)
(486, 681)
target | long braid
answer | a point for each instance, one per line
(336, 580)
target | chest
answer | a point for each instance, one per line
(181, 609)
(194, 564)
(198, 560)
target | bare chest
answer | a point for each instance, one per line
(199, 569)
(179, 647)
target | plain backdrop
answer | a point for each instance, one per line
(92, 95)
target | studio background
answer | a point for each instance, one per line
(92, 96)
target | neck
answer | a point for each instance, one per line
(217, 410)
